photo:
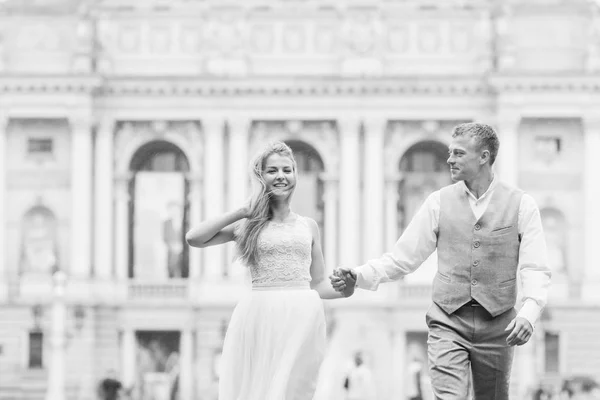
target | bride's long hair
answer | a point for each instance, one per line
(260, 203)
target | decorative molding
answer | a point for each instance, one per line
(297, 87)
(50, 84)
(545, 83)
(95, 85)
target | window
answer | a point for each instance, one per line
(36, 349)
(547, 148)
(551, 352)
(159, 213)
(40, 146)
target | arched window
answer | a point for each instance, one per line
(425, 170)
(555, 230)
(308, 197)
(39, 245)
(158, 213)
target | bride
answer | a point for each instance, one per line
(275, 341)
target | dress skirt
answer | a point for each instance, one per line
(274, 345)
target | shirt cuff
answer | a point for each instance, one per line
(531, 311)
(362, 277)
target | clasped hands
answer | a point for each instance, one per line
(343, 280)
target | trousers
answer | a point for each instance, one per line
(469, 345)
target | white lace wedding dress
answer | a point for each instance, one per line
(275, 341)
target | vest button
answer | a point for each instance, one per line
(475, 263)
(474, 282)
(477, 227)
(476, 244)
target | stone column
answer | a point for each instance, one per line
(349, 231)
(81, 197)
(373, 199)
(330, 246)
(507, 162)
(237, 181)
(195, 198)
(104, 182)
(392, 196)
(3, 196)
(128, 355)
(186, 364)
(214, 186)
(591, 273)
(398, 362)
(56, 371)
(122, 199)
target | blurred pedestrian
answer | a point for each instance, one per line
(415, 372)
(110, 388)
(359, 383)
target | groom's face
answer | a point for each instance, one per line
(465, 156)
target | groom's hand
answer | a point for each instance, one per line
(520, 332)
(343, 280)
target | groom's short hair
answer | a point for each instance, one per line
(484, 134)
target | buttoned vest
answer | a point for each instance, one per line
(477, 258)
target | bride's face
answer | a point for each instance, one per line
(279, 175)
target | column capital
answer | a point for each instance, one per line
(81, 121)
(349, 125)
(375, 123)
(238, 124)
(212, 124)
(105, 124)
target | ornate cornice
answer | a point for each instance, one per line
(49, 84)
(545, 83)
(95, 85)
(329, 86)
(296, 87)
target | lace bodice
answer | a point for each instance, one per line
(284, 253)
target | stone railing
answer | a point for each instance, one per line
(171, 290)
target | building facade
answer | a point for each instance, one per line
(123, 123)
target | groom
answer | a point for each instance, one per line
(485, 232)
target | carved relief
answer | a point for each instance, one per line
(429, 38)
(461, 38)
(325, 39)
(262, 38)
(361, 31)
(129, 39)
(39, 245)
(224, 32)
(160, 39)
(37, 37)
(398, 39)
(189, 40)
(294, 39)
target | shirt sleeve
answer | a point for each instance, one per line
(533, 261)
(415, 245)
